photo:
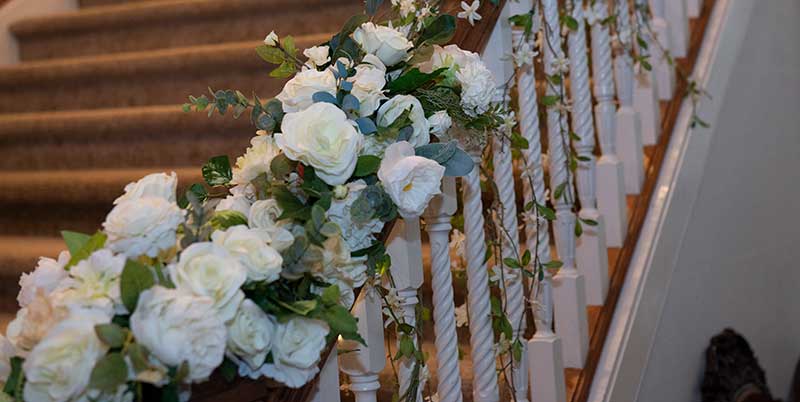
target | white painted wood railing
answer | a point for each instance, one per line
(611, 94)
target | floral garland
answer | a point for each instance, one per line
(253, 273)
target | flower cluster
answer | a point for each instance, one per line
(253, 273)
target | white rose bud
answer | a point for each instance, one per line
(368, 83)
(390, 45)
(340, 192)
(263, 263)
(411, 181)
(271, 39)
(250, 334)
(180, 327)
(321, 136)
(318, 55)
(208, 269)
(45, 277)
(440, 122)
(394, 107)
(296, 349)
(298, 92)
(153, 185)
(53, 375)
(142, 227)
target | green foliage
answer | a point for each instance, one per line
(222, 220)
(367, 165)
(109, 373)
(15, 380)
(111, 334)
(217, 171)
(412, 80)
(455, 161)
(439, 31)
(81, 246)
(373, 203)
(220, 101)
(524, 21)
(135, 279)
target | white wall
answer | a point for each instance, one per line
(738, 264)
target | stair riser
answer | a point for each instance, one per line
(50, 220)
(186, 30)
(118, 89)
(94, 3)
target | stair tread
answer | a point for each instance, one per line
(19, 254)
(199, 57)
(116, 16)
(99, 186)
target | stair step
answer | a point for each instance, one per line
(160, 77)
(96, 3)
(118, 138)
(20, 254)
(137, 26)
(42, 203)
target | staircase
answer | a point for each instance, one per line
(93, 106)
(94, 102)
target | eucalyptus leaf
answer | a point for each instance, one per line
(323, 96)
(366, 125)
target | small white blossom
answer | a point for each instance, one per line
(457, 241)
(502, 346)
(271, 39)
(524, 55)
(470, 12)
(560, 65)
(462, 318)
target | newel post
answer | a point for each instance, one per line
(610, 178)
(591, 255)
(569, 289)
(544, 356)
(437, 223)
(365, 363)
(405, 249)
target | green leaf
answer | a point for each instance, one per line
(111, 334)
(330, 296)
(439, 31)
(317, 216)
(301, 307)
(412, 80)
(225, 219)
(553, 264)
(286, 69)
(570, 22)
(578, 228)
(135, 279)
(341, 322)
(281, 166)
(228, 369)
(406, 346)
(518, 141)
(217, 171)
(546, 212)
(590, 222)
(550, 100)
(642, 42)
(292, 207)
(516, 350)
(94, 243)
(367, 165)
(16, 379)
(182, 373)
(270, 54)
(74, 240)
(560, 190)
(511, 263)
(109, 373)
(526, 258)
(138, 356)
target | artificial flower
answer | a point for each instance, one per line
(145, 226)
(298, 93)
(390, 45)
(250, 334)
(368, 83)
(440, 122)
(470, 11)
(153, 185)
(317, 55)
(296, 349)
(263, 263)
(255, 160)
(411, 181)
(396, 106)
(45, 277)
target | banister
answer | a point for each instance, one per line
(474, 38)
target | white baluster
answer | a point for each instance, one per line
(665, 73)
(569, 293)
(405, 249)
(514, 294)
(437, 224)
(645, 93)
(544, 356)
(364, 363)
(327, 389)
(610, 178)
(678, 20)
(484, 384)
(629, 137)
(591, 254)
(693, 8)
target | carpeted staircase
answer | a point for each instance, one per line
(94, 105)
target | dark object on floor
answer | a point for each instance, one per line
(732, 371)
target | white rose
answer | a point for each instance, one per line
(7, 351)
(46, 276)
(450, 56)
(51, 373)
(263, 263)
(440, 122)
(255, 160)
(356, 235)
(322, 137)
(368, 83)
(411, 181)
(271, 39)
(394, 107)
(180, 327)
(477, 88)
(238, 203)
(296, 349)
(153, 185)
(390, 45)
(93, 283)
(250, 334)
(208, 269)
(338, 265)
(298, 92)
(32, 323)
(317, 55)
(264, 217)
(122, 394)
(142, 227)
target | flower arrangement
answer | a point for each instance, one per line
(254, 272)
